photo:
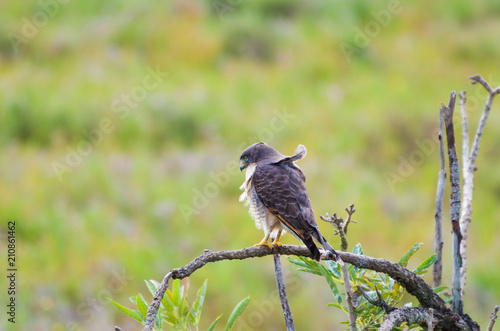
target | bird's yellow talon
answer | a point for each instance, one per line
(277, 243)
(264, 243)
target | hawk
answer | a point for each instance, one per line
(275, 190)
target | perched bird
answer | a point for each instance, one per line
(276, 192)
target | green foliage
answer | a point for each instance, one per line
(174, 308)
(369, 316)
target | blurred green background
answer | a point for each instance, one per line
(115, 173)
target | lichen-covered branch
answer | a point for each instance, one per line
(341, 227)
(413, 283)
(493, 318)
(454, 203)
(425, 317)
(469, 166)
(422, 316)
(438, 241)
(280, 282)
(379, 302)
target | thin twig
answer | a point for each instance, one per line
(493, 318)
(469, 166)
(438, 242)
(454, 202)
(421, 316)
(153, 308)
(351, 210)
(280, 282)
(341, 227)
(467, 186)
(430, 320)
(379, 302)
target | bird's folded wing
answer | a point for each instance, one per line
(282, 189)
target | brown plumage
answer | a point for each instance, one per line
(276, 192)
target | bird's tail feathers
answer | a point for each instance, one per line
(308, 241)
(325, 243)
(300, 153)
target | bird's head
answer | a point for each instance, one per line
(257, 153)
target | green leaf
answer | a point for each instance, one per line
(155, 283)
(306, 265)
(312, 263)
(404, 260)
(158, 322)
(211, 327)
(127, 311)
(358, 249)
(352, 271)
(142, 305)
(183, 308)
(440, 289)
(238, 310)
(167, 301)
(195, 313)
(312, 271)
(336, 305)
(176, 292)
(422, 268)
(151, 287)
(331, 283)
(334, 268)
(297, 262)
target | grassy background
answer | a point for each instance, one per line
(236, 72)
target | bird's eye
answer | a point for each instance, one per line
(245, 158)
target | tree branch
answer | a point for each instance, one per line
(454, 202)
(341, 229)
(430, 320)
(379, 302)
(468, 177)
(280, 282)
(438, 241)
(469, 166)
(413, 283)
(493, 318)
(422, 316)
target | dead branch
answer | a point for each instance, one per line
(422, 316)
(413, 283)
(341, 229)
(468, 177)
(454, 202)
(469, 166)
(438, 242)
(493, 318)
(430, 320)
(280, 282)
(379, 302)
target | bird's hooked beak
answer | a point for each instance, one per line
(243, 165)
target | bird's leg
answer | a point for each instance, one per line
(264, 242)
(276, 241)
